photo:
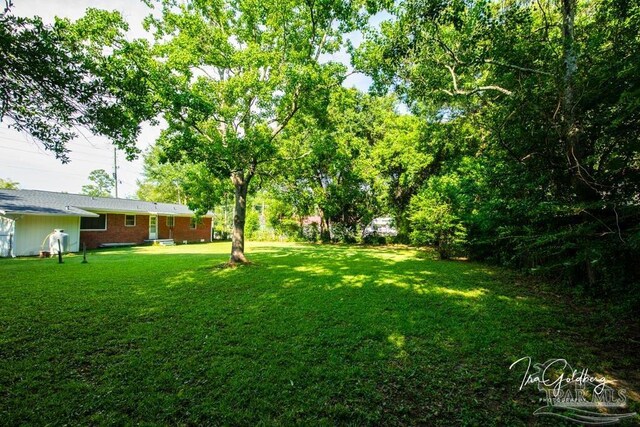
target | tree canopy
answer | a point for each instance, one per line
(162, 182)
(53, 83)
(229, 77)
(537, 100)
(9, 184)
(101, 184)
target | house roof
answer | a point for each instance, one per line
(36, 202)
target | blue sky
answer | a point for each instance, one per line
(25, 161)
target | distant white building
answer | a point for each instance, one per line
(382, 226)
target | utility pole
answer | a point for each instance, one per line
(115, 169)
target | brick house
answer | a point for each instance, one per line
(28, 216)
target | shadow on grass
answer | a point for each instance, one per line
(452, 323)
(306, 334)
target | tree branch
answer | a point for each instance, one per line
(446, 47)
(195, 127)
(457, 91)
(294, 108)
(323, 41)
(516, 67)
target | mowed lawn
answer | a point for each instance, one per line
(307, 334)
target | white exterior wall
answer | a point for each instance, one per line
(6, 236)
(31, 230)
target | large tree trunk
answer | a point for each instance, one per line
(575, 149)
(241, 185)
(569, 125)
(327, 230)
(325, 234)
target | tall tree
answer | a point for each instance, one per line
(231, 75)
(101, 184)
(336, 172)
(8, 184)
(162, 182)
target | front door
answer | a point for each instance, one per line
(153, 227)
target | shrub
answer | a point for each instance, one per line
(434, 223)
(252, 223)
(374, 239)
(311, 232)
(343, 233)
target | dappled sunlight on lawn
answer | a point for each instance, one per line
(334, 267)
(324, 329)
(202, 249)
(183, 278)
(314, 269)
(149, 312)
(398, 341)
(475, 293)
(392, 256)
(631, 385)
(355, 281)
(292, 282)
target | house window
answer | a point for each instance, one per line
(130, 220)
(171, 221)
(193, 224)
(96, 224)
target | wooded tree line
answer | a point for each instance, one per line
(519, 147)
(540, 105)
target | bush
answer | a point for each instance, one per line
(251, 223)
(289, 228)
(434, 223)
(311, 232)
(374, 239)
(343, 233)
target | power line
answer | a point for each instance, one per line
(35, 142)
(106, 151)
(40, 147)
(24, 151)
(79, 148)
(80, 154)
(44, 152)
(39, 170)
(128, 167)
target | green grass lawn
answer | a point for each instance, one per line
(305, 335)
